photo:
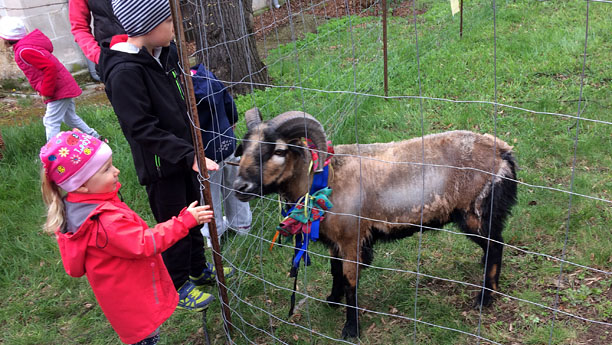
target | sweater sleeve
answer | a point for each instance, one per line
(37, 60)
(132, 104)
(230, 108)
(80, 19)
(131, 239)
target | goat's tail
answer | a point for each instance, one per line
(497, 205)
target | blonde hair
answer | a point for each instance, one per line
(52, 197)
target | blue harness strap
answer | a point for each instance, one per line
(311, 232)
(319, 182)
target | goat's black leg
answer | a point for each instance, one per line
(470, 223)
(493, 259)
(492, 271)
(350, 270)
(338, 281)
(351, 327)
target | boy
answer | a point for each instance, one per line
(141, 80)
(33, 55)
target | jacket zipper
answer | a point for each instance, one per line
(158, 166)
(153, 267)
(153, 282)
(178, 85)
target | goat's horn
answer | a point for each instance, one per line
(252, 117)
(297, 124)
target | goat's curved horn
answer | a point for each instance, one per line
(252, 117)
(297, 124)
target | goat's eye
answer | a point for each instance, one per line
(281, 153)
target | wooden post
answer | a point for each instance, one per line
(197, 141)
(460, 18)
(386, 73)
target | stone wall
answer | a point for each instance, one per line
(50, 17)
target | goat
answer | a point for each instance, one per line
(377, 191)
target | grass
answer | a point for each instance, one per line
(539, 67)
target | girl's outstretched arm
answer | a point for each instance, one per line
(130, 237)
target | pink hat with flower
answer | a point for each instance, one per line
(71, 158)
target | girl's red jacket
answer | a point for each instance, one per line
(121, 257)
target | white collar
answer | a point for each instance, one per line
(132, 49)
(125, 48)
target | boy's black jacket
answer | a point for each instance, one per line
(148, 101)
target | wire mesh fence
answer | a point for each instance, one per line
(325, 58)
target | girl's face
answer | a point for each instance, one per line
(103, 181)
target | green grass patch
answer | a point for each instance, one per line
(336, 75)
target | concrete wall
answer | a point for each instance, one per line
(259, 4)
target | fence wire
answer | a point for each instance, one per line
(257, 296)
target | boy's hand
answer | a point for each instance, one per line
(210, 165)
(200, 213)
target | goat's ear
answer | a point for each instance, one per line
(238, 151)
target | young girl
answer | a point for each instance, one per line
(46, 74)
(101, 237)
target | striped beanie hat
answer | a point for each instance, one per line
(71, 158)
(139, 17)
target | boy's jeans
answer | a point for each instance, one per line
(63, 110)
(237, 213)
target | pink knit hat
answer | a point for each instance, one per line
(71, 158)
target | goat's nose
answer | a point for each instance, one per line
(241, 185)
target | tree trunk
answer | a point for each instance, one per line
(225, 44)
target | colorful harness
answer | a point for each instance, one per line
(302, 220)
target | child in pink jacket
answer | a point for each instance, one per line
(101, 237)
(33, 55)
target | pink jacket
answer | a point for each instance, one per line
(80, 26)
(121, 257)
(65, 85)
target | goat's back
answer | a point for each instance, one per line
(457, 171)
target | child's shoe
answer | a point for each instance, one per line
(190, 298)
(208, 275)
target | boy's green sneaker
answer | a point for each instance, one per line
(209, 273)
(190, 298)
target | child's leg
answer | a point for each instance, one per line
(54, 116)
(73, 120)
(238, 213)
(167, 197)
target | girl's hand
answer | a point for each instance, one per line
(210, 165)
(200, 213)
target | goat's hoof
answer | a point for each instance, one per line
(350, 332)
(487, 300)
(333, 300)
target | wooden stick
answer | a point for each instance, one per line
(201, 157)
(384, 23)
(461, 19)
